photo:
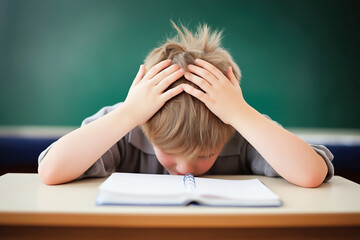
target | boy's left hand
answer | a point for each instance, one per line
(221, 94)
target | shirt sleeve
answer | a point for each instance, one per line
(109, 161)
(259, 166)
(328, 157)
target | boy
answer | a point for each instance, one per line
(185, 112)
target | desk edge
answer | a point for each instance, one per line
(180, 221)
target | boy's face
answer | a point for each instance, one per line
(179, 165)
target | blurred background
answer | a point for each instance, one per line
(61, 61)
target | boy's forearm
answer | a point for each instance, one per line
(289, 155)
(75, 152)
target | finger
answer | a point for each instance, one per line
(195, 93)
(157, 68)
(166, 82)
(230, 75)
(139, 75)
(164, 73)
(203, 73)
(211, 68)
(200, 82)
(172, 92)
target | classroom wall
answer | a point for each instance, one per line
(61, 61)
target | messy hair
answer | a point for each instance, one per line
(184, 125)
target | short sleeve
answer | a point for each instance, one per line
(43, 153)
(328, 157)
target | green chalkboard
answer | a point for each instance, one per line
(61, 61)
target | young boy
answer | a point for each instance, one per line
(185, 112)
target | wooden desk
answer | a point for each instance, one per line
(31, 209)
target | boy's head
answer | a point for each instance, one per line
(184, 126)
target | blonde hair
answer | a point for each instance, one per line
(184, 125)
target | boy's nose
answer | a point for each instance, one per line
(184, 168)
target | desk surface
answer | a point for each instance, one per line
(26, 201)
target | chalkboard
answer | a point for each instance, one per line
(61, 61)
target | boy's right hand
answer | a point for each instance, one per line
(147, 93)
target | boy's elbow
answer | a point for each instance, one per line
(312, 181)
(47, 176)
(315, 178)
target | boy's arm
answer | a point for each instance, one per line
(75, 152)
(289, 155)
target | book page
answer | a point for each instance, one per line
(144, 184)
(251, 189)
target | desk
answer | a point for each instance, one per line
(29, 208)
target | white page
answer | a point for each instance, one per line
(144, 184)
(251, 189)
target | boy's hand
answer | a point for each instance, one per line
(221, 94)
(147, 93)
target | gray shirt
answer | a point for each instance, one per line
(135, 154)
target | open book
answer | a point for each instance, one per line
(167, 190)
